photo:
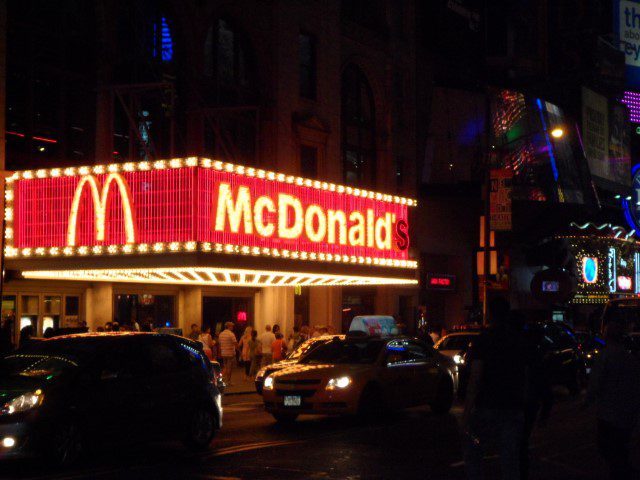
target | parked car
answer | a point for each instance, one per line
(359, 374)
(560, 348)
(59, 395)
(456, 345)
(294, 357)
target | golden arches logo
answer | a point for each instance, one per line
(99, 198)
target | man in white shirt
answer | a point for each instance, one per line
(266, 339)
(228, 345)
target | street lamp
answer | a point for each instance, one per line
(557, 132)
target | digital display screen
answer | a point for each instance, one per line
(551, 286)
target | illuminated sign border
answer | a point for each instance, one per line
(190, 246)
(214, 276)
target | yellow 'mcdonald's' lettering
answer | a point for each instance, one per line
(264, 229)
(357, 229)
(236, 212)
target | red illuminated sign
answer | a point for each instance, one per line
(441, 282)
(198, 204)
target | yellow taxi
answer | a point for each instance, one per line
(358, 374)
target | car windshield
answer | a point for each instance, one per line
(304, 348)
(36, 365)
(455, 342)
(49, 358)
(346, 352)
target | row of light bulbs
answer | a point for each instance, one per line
(216, 165)
(191, 246)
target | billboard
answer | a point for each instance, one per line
(184, 205)
(536, 141)
(605, 134)
(626, 26)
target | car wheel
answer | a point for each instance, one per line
(285, 418)
(65, 445)
(201, 429)
(444, 396)
(371, 403)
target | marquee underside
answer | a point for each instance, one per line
(214, 277)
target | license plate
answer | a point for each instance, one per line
(292, 401)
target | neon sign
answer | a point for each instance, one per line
(197, 204)
(624, 282)
(590, 269)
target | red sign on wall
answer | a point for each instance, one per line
(199, 204)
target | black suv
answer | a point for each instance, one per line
(60, 395)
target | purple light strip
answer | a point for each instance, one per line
(632, 101)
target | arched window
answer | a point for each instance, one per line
(227, 65)
(358, 129)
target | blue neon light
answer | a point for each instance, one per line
(590, 270)
(554, 167)
(166, 42)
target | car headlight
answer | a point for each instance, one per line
(459, 359)
(23, 403)
(268, 383)
(338, 383)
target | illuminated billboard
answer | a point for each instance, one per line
(201, 205)
(605, 267)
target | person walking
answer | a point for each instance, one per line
(493, 413)
(255, 353)
(207, 342)
(614, 387)
(266, 339)
(245, 354)
(228, 346)
(195, 332)
(294, 339)
(538, 398)
(278, 348)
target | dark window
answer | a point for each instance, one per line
(417, 353)
(345, 352)
(368, 13)
(163, 358)
(308, 161)
(226, 65)
(358, 129)
(307, 47)
(456, 342)
(71, 305)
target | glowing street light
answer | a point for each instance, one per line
(557, 132)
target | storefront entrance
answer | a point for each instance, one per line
(218, 310)
(148, 311)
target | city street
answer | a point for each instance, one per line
(414, 444)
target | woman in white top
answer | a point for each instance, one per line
(207, 342)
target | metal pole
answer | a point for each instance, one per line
(487, 210)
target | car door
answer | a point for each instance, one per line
(122, 405)
(424, 370)
(170, 383)
(397, 374)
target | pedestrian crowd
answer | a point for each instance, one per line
(509, 392)
(251, 349)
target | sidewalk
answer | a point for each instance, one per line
(239, 386)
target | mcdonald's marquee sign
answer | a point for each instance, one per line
(201, 205)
